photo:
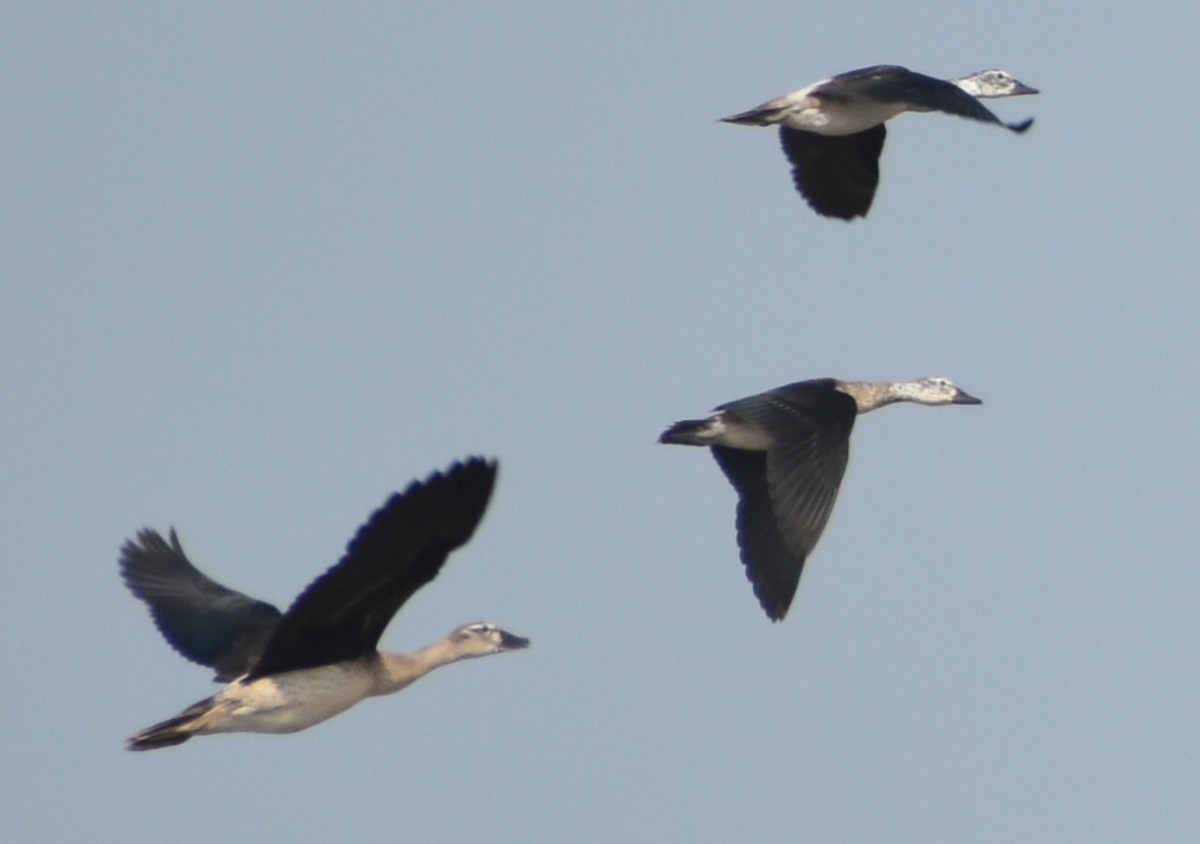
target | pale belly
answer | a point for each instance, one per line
(290, 702)
(835, 118)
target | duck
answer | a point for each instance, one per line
(785, 452)
(832, 131)
(288, 671)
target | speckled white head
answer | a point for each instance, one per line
(993, 83)
(482, 637)
(934, 390)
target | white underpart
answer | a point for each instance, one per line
(839, 118)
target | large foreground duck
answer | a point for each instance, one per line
(292, 670)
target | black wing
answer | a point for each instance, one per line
(772, 567)
(201, 619)
(786, 494)
(342, 614)
(836, 174)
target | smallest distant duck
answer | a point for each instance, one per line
(832, 131)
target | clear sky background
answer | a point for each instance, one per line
(263, 266)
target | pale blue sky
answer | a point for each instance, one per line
(262, 267)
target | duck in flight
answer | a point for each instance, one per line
(289, 671)
(832, 131)
(785, 453)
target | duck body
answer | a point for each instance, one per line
(807, 110)
(281, 703)
(785, 452)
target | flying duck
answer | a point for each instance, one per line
(832, 131)
(289, 671)
(785, 452)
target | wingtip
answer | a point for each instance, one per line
(471, 481)
(485, 469)
(775, 602)
(776, 609)
(475, 463)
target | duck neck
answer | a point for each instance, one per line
(871, 395)
(399, 670)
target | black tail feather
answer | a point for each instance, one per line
(684, 432)
(165, 734)
(170, 732)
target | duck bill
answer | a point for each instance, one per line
(509, 642)
(963, 397)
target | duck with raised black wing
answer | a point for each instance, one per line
(298, 668)
(833, 130)
(785, 453)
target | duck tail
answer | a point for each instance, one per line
(759, 116)
(688, 432)
(171, 732)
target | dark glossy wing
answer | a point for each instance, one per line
(891, 84)
(342, 614)
(772, 567)
(786, 494)
(836, 174)
(201, 619)
(861, 82)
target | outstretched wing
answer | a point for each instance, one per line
(836, 174)
(342, 614)
(201, 619)
(786, 494)
(772, 567)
